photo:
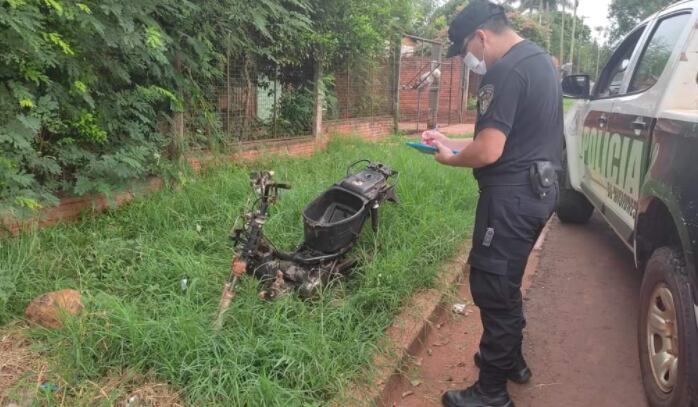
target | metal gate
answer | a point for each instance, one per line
(432, 91)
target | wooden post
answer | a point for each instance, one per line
(318, 91)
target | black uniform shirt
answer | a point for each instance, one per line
(521, 96)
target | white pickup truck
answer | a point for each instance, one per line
(632, 155)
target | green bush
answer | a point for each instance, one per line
(296, 110)
(88, 88)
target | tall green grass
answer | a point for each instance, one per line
(128, 264)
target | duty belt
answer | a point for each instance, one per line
(541, 177)
(502, 180)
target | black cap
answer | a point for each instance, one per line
(476, 13)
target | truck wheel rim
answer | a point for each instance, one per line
(662, 338)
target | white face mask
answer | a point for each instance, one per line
(476, 65)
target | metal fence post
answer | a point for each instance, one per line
(276, 102)
(435, 88)
(450, 92)
(371, 91)
(348, 105)
(397, 60)
(228, 105)
(464, 90)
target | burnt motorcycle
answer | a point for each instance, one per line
(332, 223)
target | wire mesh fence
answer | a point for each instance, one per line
(362, 90)
(253, 104)
(414, 87)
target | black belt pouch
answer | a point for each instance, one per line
(543, 178)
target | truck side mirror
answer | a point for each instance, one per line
(576, 86)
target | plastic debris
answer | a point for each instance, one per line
(132, 401)
(458, 308)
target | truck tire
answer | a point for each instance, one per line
(573, 207)
(667, 334)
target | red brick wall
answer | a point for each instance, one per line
(71, 208)
(370, 129)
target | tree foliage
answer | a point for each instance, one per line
(536, 20)
(626, 14)
(88, 88)
(80, 87)
(540, 5)
(436, 25)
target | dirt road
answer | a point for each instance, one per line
(581, 306)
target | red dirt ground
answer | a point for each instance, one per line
(581, 306)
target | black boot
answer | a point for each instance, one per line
(473, 396)
(521, 373)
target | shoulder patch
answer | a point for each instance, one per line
(484, 98)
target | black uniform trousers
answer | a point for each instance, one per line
(508, 221)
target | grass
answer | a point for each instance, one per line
(128, 264)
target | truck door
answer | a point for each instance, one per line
(627, 151)
(600, 126)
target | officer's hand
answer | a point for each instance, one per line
(444, 154)
(429, 137)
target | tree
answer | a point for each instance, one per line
(561, 36)
(626, 14)
(540, 5)
(435, 23)
(529, 28)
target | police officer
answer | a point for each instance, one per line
(516, 149)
